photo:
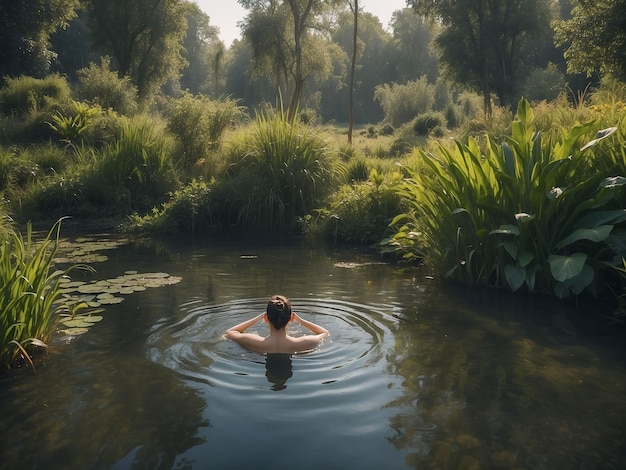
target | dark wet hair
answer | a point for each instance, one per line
(279, 311)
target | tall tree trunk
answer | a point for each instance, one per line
(299, 22)
(352, 69)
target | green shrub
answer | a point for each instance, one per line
(401, 103)
(198, 124)
(99, 85)
(424, 123)
(452, 116)
(386, 129)
(526, 212)
(278, 174)
(135, 171)
(23, 95)
(361, 213)
(190, 209)
(544, 84)
(71, 127)
(358, 170)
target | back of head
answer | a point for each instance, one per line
(278, 311)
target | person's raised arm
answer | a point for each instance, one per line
(318, 330)
(235, 331)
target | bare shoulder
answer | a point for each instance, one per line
(307, 342)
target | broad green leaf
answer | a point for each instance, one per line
(531, 276)
(603, 134)
(597, 234)
(566, 267)
(515, 276)
(511, 247)
(578, 283)
(617, 242)
(75, 331)
(509, 160)
(594, 219)
(76, 323)
(525, 257)
(561, 290)
(93, 318)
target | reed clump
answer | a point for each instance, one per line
(31, 296)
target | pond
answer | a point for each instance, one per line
(414, 374)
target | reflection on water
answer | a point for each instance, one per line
(412, 376)
(278, 369)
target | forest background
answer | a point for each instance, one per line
(485, 139)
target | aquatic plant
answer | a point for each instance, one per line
(31, 297)
(525, 212)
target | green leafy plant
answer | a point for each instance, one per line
(71, 127)
(527, 211)
(32, 302)
(198, 124)
(360, 213)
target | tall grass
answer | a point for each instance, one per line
(283, 171)
(135, 171)
(31, 296)
(526, 212)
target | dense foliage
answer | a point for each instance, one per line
(525, 199)
(546, 213)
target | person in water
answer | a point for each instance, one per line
(278, 314)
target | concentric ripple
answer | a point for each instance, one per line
(344, 386)
(195, 346)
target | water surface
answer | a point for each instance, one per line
(414, 375)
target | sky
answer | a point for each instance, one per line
(226, 13)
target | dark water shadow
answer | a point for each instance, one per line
(97, 414)
(278, 369)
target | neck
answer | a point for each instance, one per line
(275, 332)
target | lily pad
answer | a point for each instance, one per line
(75, 331)
(76, 323)
(111, 300)
(93, 318)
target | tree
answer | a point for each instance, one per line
(266, 30)
(217, 53)
(410, 50)
(199, 38)
(287, 28)
(143, 37)
(25, 29)
(595, 37)
(483, 44)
